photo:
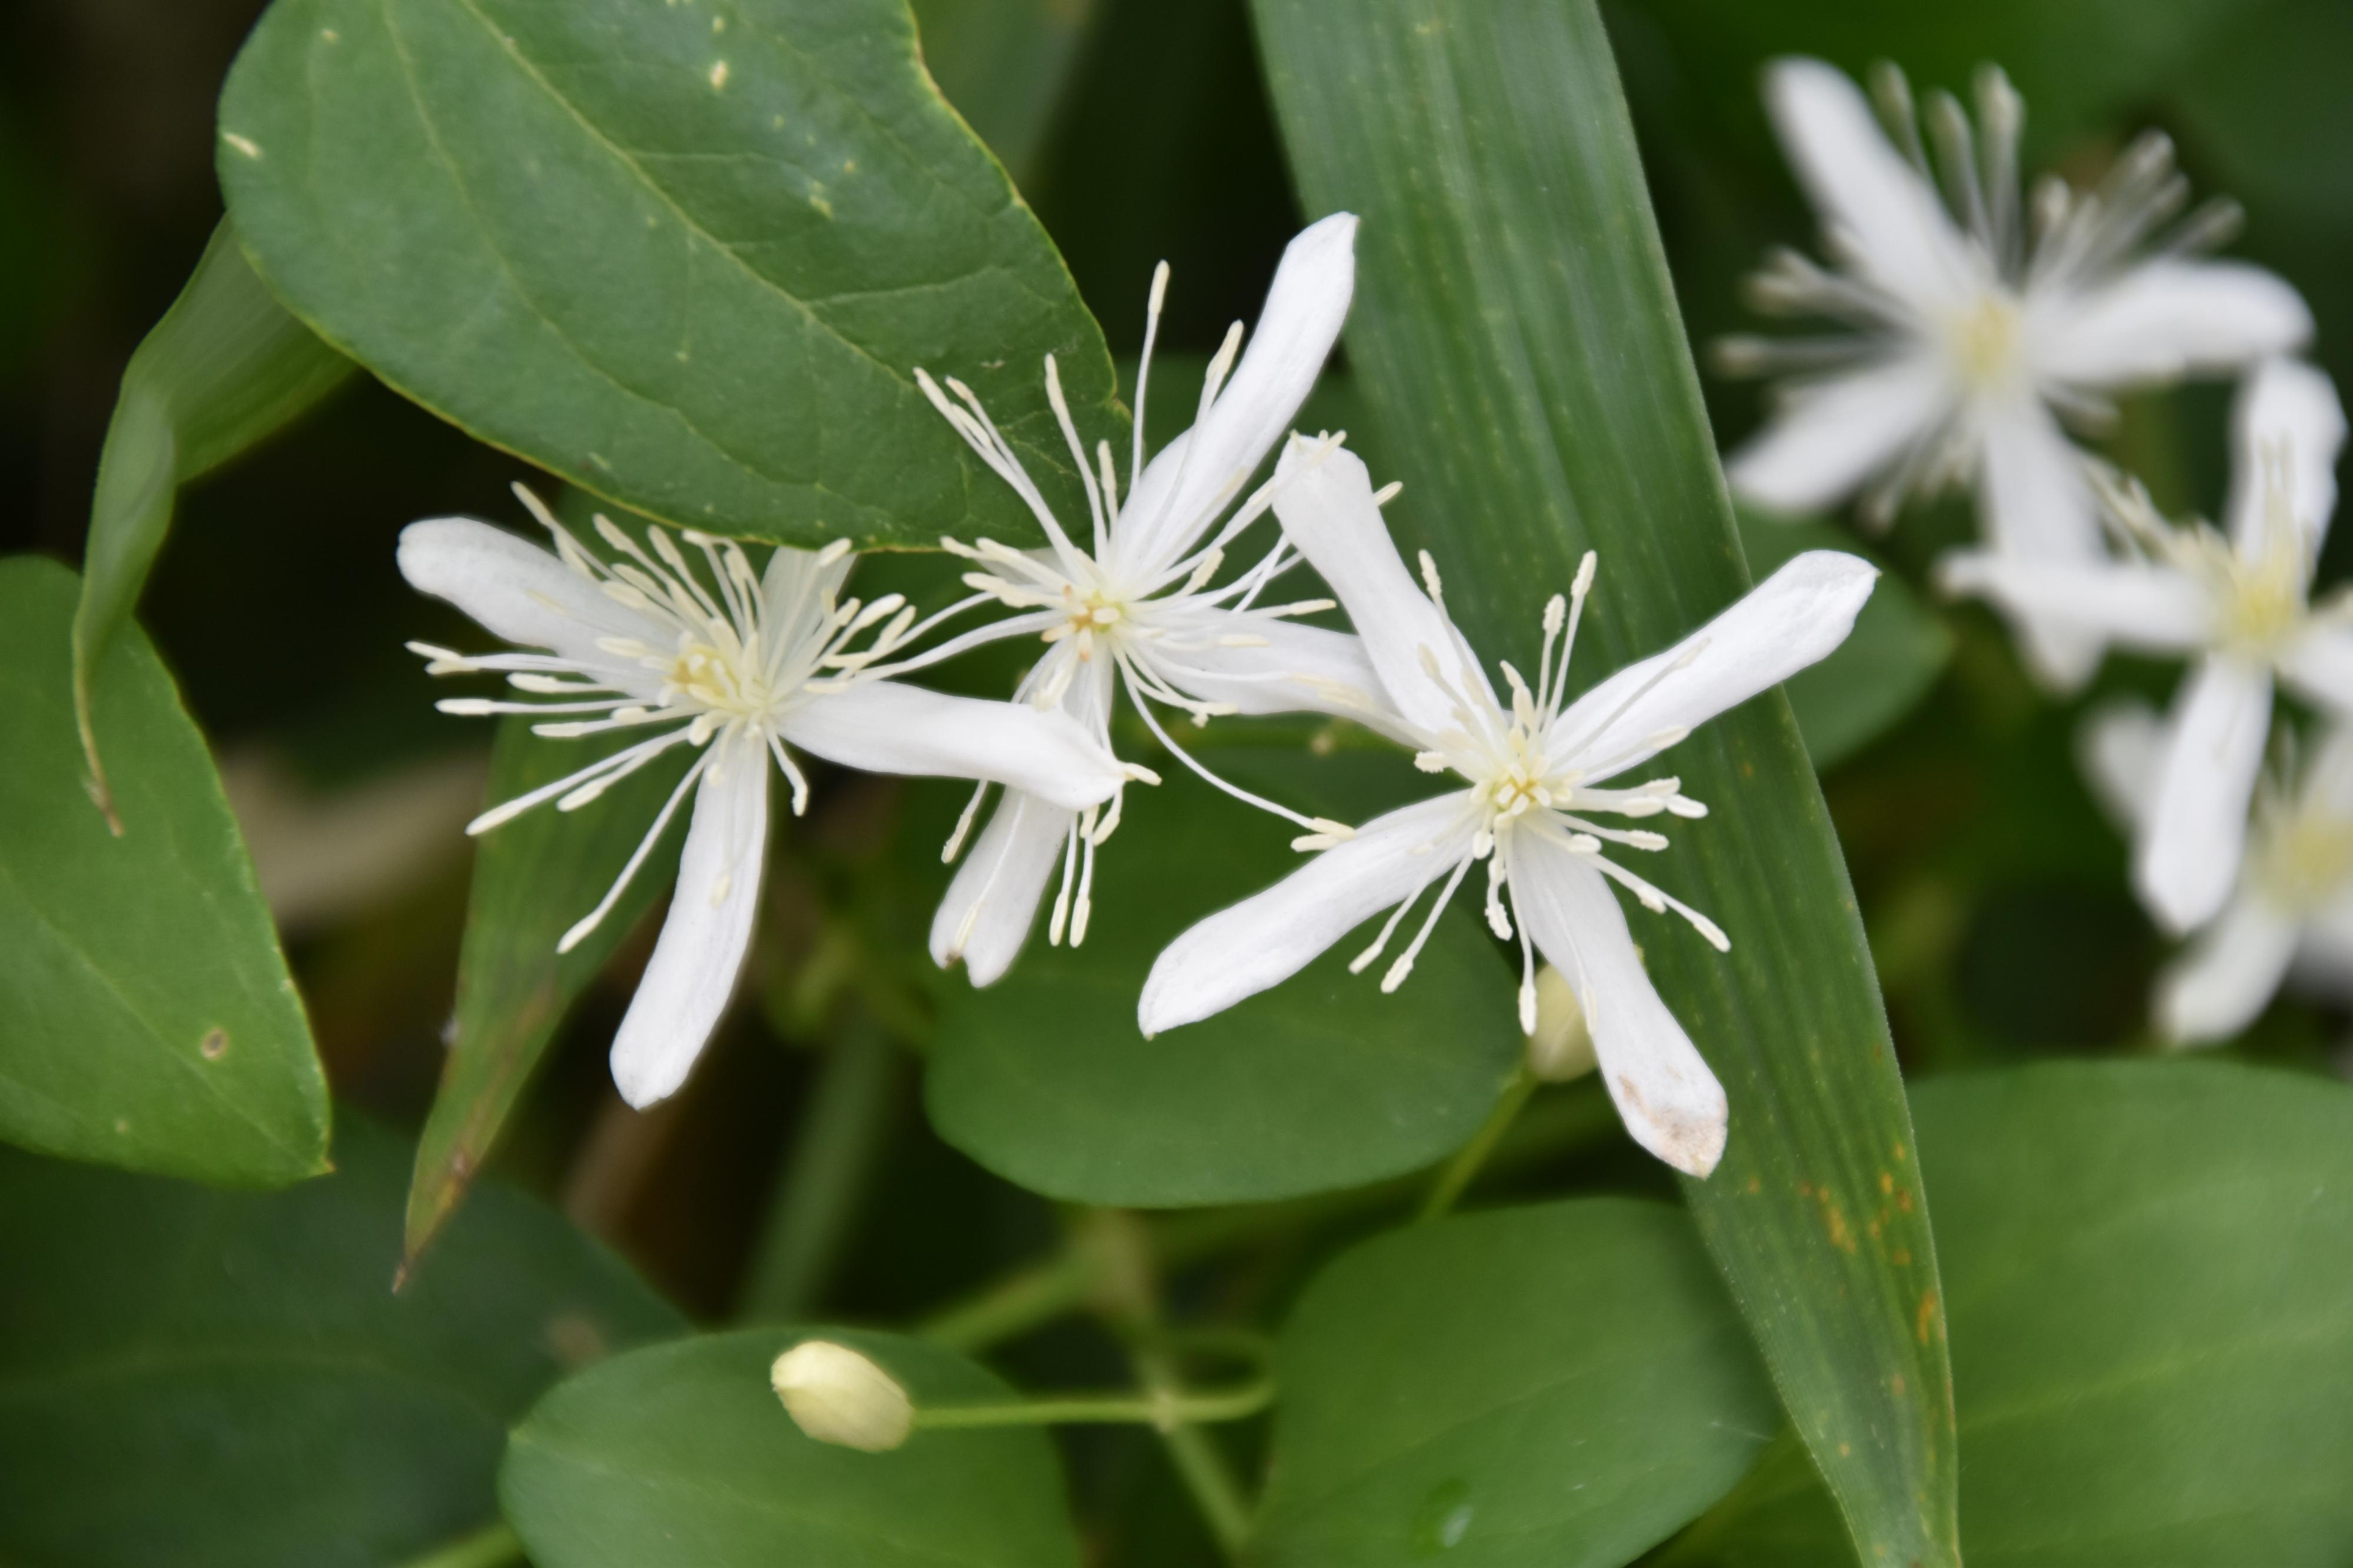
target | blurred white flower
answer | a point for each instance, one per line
(2290, 914)
(1958, 341)
(2238, 603)
(740, 668)
(1138, 608)
(1534, 772)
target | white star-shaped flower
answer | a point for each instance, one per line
(740, 666)
(1535, 776)
(2290, 917)
(2237, 603)
(1142, 607)
(1962, 340)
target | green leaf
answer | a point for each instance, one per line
(2149, 1263)
(150, 1019)
(1884, 667)
(534, 878)
(1514, 318)
(225, 369)
(686, 256)
(1005, 65)
(1322, 1083)
(1560, 1385)
(223, 1381)
(682, 1453)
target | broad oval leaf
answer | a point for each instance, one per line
(1517, 348)
(225, 1380)
(1323, 1082)
(2149, 1265)
(682, 1453)
(150, 1019)
(1560, 1385)
(686, 256)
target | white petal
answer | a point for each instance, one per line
(2323, 955)
(2156, 609)
(2035, 504)
(1329, 513)
(2215, 989)
(700, 951)
(521, 593)
(793, 585)
(2119, 745)
(1667, 1097)
(2196, 831)
(2320, 666)
(1787, 622)
(1295, 669)
(1268, 937)
(2287, 414)
(1859, 183)
(1174, 500)
(2166, 318)
(884, 727)
(1834, 434)
(1005, 873)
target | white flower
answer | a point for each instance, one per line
(739, 668)
(1535, 774)
(2238, 603)
(1963, 339)
(1138, 609)
(2290, 916)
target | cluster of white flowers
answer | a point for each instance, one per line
(1978, 322)
(746, 666)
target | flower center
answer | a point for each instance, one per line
(720, 677)
(1518, 779)
(2305, 859)
(1985, 339)
(1089, 612)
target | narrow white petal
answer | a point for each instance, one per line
(2197, 830)
(1669, 1100)
(704, 939)
(1295, 669)
(1838, 432)
(1787, 622)
(1305, 308)
(1329, 513)
(2155, 609)
(2288, 414)
(993, 901)
(884, 727)
(2035, 504)
(2215, 989)
(2318, 667)
(524, 593)
(1861, 184)
(2120, 746)
(2324, 955)
(1268, 937)
(2168, 318)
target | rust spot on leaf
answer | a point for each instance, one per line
(215, 1045)
(1886, 1182)
(1928, 1314)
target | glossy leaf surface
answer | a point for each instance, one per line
(685, 257)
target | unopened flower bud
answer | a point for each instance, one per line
(837, 1396)
(1561, 1048)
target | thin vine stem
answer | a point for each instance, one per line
(494, 1546)
(1461, 1169)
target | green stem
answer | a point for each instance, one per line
(493, 1547)
(1162, 1405)
(1037, 1294)
(817, 1193)
(1201, 1464)
(1461, 1170)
